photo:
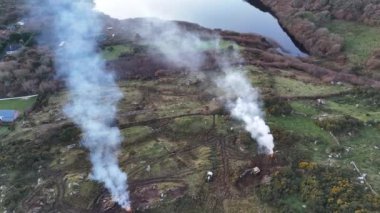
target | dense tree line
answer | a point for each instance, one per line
(30, 72)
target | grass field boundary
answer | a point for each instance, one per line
(22, 97)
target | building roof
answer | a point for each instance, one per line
(13, 47)
(8, 115)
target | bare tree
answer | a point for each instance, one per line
(21, 73)
(30, 86)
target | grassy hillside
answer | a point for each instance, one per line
(174, 132)
(360, 40)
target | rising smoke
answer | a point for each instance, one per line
(184, 48)
(178, 46)
(93, 92)
(243, 102)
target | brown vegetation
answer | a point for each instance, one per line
(29, 73)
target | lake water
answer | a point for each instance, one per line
(234, 15)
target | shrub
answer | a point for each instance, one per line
(339, 124)
(323, 189)
(277, 106)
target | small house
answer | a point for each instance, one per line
(8, 116)
(12, 49)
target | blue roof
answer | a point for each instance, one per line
(13, 47)
(8, 115)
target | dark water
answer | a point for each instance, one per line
(235, 15)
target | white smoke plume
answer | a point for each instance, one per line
(179, 47)
(93, 92)
(184, 48)
(243, 102)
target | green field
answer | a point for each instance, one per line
(18, 104)
(359, 40)
(292, 87)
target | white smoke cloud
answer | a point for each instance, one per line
(184, 48)
(178, 46)
(93, 92)
(243, 102)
